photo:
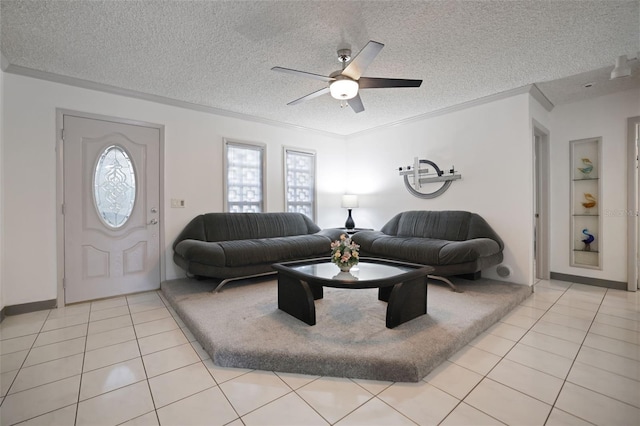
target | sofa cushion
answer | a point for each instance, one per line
(409, 249)
(451, 225)
(467, 251)
(433, 252)
(245, 226)
(272, 250)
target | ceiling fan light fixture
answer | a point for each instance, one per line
(622, 68)
(343, 88)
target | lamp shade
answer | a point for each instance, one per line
(343, 88)
(349, 201)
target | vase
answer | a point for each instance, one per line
(344, 268)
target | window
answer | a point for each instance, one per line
(300, 181)
(114, 186)
(244, 177)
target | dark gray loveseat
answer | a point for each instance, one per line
(235, 245)
(453, 242)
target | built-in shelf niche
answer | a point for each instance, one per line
(586, 206)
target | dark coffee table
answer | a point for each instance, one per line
(402, 285)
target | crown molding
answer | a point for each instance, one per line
(114, 90)
(531, 89)
(537, 94)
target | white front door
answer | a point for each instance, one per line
(111, 208)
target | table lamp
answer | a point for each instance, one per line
(349, 202)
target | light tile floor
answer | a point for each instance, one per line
(568, 355)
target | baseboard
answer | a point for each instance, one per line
(25, 308)
(616, 285)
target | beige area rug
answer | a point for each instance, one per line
(242, 327)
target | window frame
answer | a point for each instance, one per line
(257, 146)
(309, 152)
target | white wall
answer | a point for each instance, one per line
(193, 171)
(1, 190)
(490, 145)
(605, 116)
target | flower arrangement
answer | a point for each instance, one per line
(344, 253)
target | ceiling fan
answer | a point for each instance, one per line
(345, 84)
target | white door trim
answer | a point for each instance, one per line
(632, 203)
(60, 113)
(541, 196)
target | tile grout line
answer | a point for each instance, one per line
(202, 362)
(144, 367)
(58, 380)
(211, 374)
(295, 391)
(84, 355)
(390, 406)
(485, 376)
(21, 367)
(573, 361)
(609, 372)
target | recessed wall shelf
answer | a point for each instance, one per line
(586, 223)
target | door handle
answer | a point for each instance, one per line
(153, 222)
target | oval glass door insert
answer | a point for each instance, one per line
(114, 186)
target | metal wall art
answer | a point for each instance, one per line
(417, 175)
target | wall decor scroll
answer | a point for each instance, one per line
(417, 175)
(586, 229)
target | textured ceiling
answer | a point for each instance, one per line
(220, 53)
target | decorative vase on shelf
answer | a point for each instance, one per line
(587, 169)
(345, 253)
(590, 201)
(587, 241)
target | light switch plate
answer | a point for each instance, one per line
(176, 203)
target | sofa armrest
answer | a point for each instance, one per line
(468, 251)
(480, 228)
(332, 233)
(365, 239)
(201, 252)
(193, 231)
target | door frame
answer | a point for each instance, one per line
(60, 113)
(633, 183)
(541, 178)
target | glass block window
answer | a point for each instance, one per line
(244, 177)
(300, 181)
(114, 186)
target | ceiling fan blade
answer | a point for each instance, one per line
(377, 83)
(362, 60)
(356, 104)
(310, 96)
(304, 74)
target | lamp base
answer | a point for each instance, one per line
(349, 224)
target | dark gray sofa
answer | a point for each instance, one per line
(236, 245)
(453, 242)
